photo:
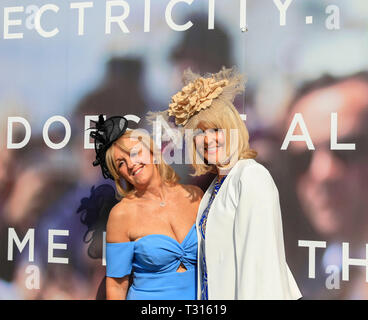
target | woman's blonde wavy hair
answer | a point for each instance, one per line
(167, 173)
(221, 114)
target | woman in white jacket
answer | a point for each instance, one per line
(240, 240)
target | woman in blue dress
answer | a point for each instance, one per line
(151, 239)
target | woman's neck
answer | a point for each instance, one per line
(222, 172)
(220, 175)
(156, 189)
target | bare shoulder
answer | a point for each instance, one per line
(120, 220)
(192, 191)
(120, 211)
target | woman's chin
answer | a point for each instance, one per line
(142, 178)
(141, 181)
(215, 159)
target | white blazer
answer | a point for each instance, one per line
(244, 244)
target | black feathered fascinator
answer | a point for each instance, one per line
(106, 133)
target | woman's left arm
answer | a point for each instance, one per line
(261, 268)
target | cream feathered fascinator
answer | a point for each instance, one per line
(199, 92)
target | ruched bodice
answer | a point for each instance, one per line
(161, 253)
(154, 260)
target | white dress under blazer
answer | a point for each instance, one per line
(244, 244)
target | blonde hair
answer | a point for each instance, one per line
(221, 114)
(167, 174)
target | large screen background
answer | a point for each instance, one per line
(305, 58)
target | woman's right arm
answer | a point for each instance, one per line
(261, 268)
(117, 288)
(116, 233)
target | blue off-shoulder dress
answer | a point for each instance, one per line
(154, 260)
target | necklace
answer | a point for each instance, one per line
(161, 202)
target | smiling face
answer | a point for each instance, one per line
(133, 162)
(224, 141)
(210, 144)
